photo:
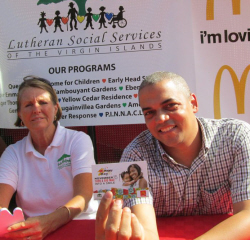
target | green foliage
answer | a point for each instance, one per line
(81, 5)
(46, 2)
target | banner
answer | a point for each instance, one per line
(97, 52)
(221, 42)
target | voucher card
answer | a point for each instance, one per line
(125, 180)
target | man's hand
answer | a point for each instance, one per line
(113, 222)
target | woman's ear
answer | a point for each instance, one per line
(194, 103)
(56, 107)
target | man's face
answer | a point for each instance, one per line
(169, 114)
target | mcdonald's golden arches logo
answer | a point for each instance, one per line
(210, 8)
(239, 88)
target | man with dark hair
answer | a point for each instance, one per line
(196, 166)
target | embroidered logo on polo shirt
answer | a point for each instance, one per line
(64, 161)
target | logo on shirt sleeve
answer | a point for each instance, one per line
(64, 161)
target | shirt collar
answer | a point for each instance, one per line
(206, 140)
(164, 155)
(58, 138)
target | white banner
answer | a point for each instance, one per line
(222, 58)
(96, 72)
(97, 52)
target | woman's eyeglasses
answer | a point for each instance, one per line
(31, 77)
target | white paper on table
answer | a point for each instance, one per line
(7, 219)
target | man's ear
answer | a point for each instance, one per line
(194, 102)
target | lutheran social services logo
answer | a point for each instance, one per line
(64, 161)
(104, 41)
(73, 18)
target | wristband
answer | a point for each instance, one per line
(69, 216)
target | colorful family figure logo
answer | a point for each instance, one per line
(102, 17)
(73, 15)
(122, 22)
(73, 18)
(42, 22)
(57, 20)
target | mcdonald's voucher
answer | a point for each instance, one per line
(125, 180)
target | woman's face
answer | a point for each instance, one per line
(133, 172)
(37, 111)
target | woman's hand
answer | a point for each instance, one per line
(113, 222)
(32, 228)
